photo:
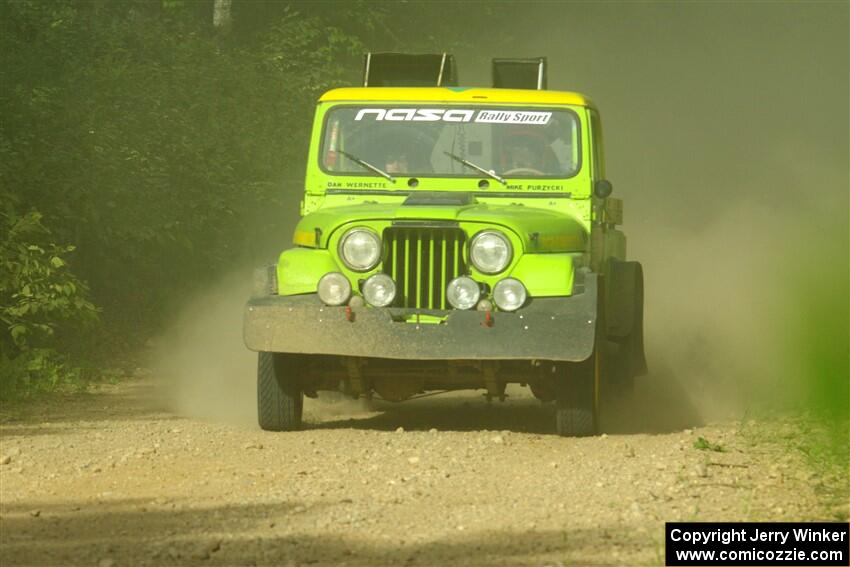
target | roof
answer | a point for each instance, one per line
(455, 94)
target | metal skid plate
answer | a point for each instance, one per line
(547, 329)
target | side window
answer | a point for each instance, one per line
(598, 146)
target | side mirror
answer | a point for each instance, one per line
(602, 188)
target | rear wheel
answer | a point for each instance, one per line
(280, 400)
(577, 399)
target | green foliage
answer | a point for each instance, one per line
(704, 444)
(38, 294)
(154, 144)
(39, 371)
(814, 335)
(37, 291)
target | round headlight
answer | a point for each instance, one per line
(509, 294)
(379, 290)
(463, 293)
(360, 249)
(334, 288)
(490, 252)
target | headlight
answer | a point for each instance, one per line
(379, 290)
(360, 249)
(490, 252)
(509, 294)
(463, 293)
(334, 289)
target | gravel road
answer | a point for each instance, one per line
(110, 478)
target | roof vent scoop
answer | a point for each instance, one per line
(520, 73)
(409, 70)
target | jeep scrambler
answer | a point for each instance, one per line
(451, 238)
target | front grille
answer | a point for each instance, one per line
(422, 261)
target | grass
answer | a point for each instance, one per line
(704, 444)
(819, 440)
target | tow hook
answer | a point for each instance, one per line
(488, 319)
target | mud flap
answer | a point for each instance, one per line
(624, 308)
(580, 386)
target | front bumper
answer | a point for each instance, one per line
(547, 329)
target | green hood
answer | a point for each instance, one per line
(539, 229)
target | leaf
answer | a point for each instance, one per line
(57, 262)
(18, 331)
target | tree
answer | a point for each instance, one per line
(222, 18)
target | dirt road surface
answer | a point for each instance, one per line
(111, 479)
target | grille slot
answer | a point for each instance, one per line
(422, 261)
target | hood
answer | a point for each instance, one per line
(539, 229)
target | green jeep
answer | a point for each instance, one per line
(451, 238)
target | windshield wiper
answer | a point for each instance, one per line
(486, 172)
(368, 165)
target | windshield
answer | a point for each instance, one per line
(437, 140)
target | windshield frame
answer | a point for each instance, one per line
(320, 149)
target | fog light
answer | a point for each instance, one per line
(484, 305)
(463, 293)
(379, 290)
(334, 289)
(509, 294)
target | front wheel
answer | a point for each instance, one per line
(576, 403)
(280, 399)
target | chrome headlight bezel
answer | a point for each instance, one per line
(504, 262)
(375, 256)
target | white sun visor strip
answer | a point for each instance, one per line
(534, 118)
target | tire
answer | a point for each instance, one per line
(576, 399)
(578, 389)
(620, 384)
(280, 400)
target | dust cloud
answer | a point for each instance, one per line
(201, 364)
(204, 370)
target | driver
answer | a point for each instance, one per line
(397, 162)
(522, 153)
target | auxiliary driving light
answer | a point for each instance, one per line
(379, 290)
(463, 292)
(509, 294)
(334, 288)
